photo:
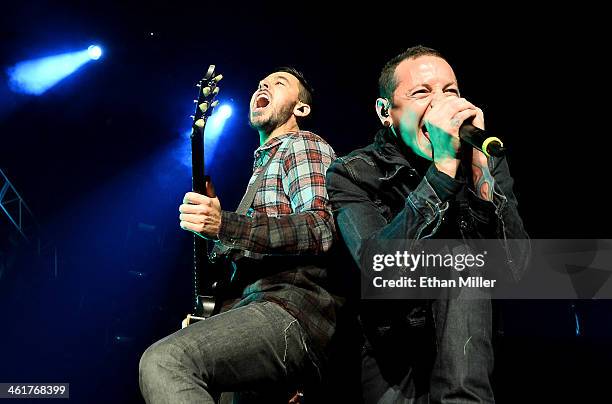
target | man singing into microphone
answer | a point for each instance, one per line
(418, 181)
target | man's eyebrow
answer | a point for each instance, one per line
(452, 83)
(282, 78)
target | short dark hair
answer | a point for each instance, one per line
(306, 91)
(387, 82)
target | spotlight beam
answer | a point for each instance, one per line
(38, 75)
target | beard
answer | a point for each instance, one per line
(276, 118)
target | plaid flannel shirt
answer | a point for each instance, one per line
(288, 227)
(290, 213)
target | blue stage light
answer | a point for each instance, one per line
(38, 75)
(94, 52)
(224, 112)
(215, 124)
(214, 128)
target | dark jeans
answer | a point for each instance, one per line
(448, 361)
(255, 348)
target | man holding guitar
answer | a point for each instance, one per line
(273, 340)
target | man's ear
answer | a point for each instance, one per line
(301, 109)
(382, 110)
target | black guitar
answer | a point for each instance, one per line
(207, 278)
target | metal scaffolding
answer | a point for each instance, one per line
(15, 208)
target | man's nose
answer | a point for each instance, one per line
(434, 99)
(263, 85)
(437, 96)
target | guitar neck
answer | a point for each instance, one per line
(198, 184)
(198, 174)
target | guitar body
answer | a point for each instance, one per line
(212, 282)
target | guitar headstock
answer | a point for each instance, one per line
(205, 104)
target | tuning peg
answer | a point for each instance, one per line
(218, 78)
(214, 103)
(199, 123)
(206, 91)
(198, 85)
(195, 101)
(203, 106)
(216, 91)
(210, 72)
(192, 116)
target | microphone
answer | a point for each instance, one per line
(479, 139)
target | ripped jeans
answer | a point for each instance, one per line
(258, 349)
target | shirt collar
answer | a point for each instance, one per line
(271, 144)
(259, 155)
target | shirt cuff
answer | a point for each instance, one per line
(444, 185)
(231, 224)
(484, 209)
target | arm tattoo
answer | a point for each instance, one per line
(483, 182)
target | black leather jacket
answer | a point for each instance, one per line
(378, 194)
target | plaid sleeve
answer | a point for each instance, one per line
(310, 229)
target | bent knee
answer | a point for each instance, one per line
(163, 358)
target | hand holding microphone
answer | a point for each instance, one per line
(470, 123)
(442, 120)
(466, 126)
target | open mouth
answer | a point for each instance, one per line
(262, 101)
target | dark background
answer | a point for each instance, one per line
(99, 160)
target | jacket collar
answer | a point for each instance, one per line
(394, 154)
